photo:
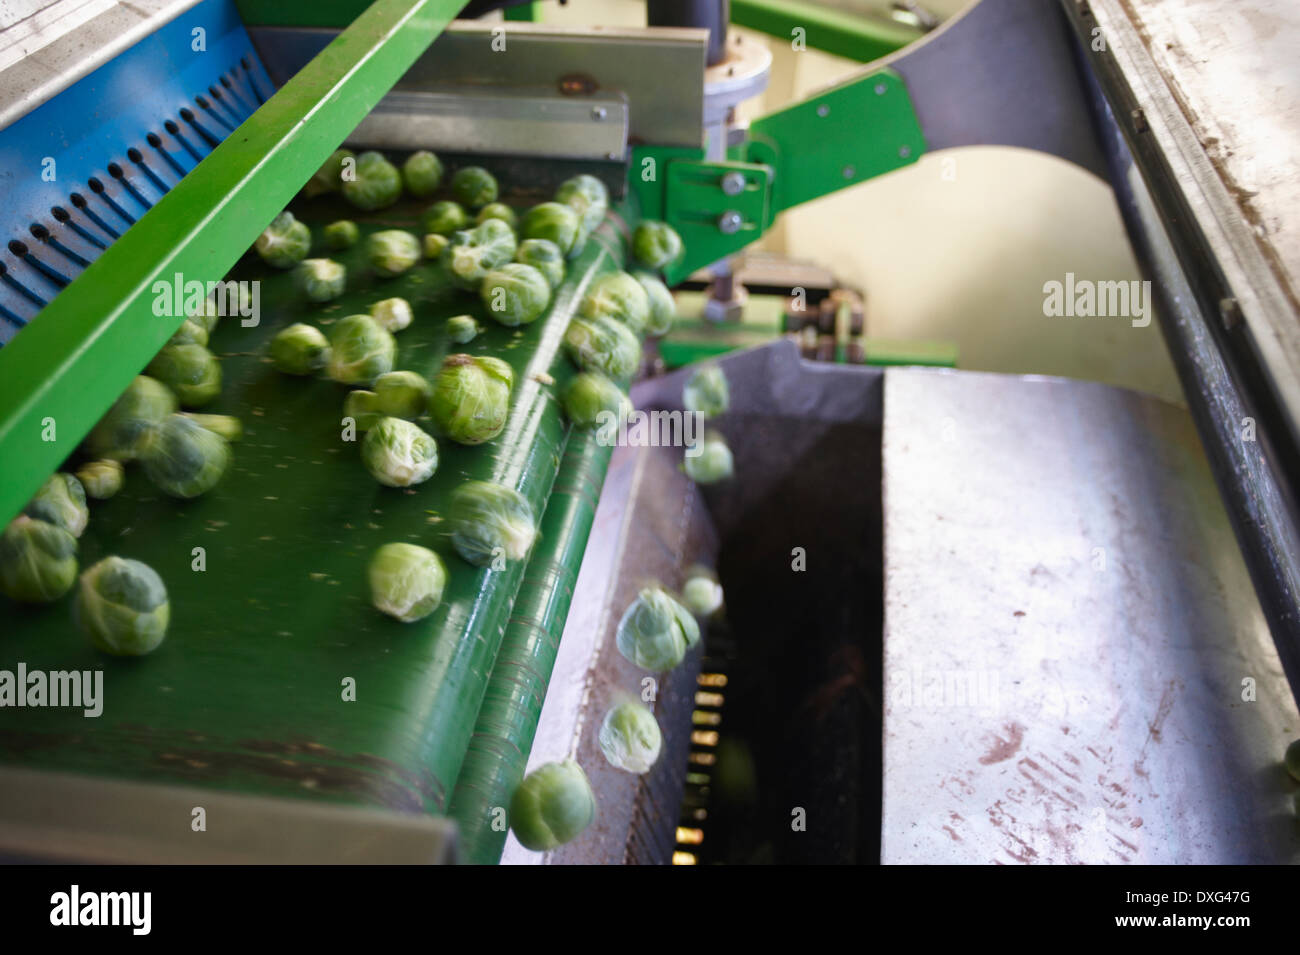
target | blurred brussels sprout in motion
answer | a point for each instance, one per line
(656, 631)
(191, 371)
(284, 243)
(360, 350)
(434, 244)
(392, 314)
(497, 210)
(706, 392)
(554, 222)
(300, 350)
(593, 400)
(656, 244)
(490, 524)
(462, 329)
(471, 398)
(402, 394)
(710, 461)
(38, 561)
(61, 501)
(145, 403)
(602, 344)
(515, 294)
(552, 806)
(321, 280)
(329, 178)
(444, 217)
(587, 196)
(422, 173)
(392, 251)
(406, 581)
(228, 426)
(473, 187)
(702, 592)
(472, 254)
(398, 453)
(122, 606)
(619, 296)
(101, 479)
(341, 235)
(376, 184)
(190, 333)
(183, 459)
(545, 256)
(663, 309)
(629, 737)
(363, 408)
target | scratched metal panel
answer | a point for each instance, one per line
(1068, 625)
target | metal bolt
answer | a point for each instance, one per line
(1229, 313)
(733, 183)
(729, 223)
(904, 151)
(881, 88)
(1139, 120)
(823, 110)
(849, 172)
(598, 113)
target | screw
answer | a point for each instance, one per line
(729, 223)
(904, 151)
(598, 113)
(849, 172)
(823, 110)
(1229, 313)
(733, 183)
(1139, 120)
(880, 89)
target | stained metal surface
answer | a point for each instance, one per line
(1076, 668)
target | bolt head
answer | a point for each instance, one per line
(904, 151)
(823, 110)
(881, 89)
(598, 113)
(849, 172)
(733, 183)
(729, 223)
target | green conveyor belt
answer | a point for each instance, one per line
(246, 693)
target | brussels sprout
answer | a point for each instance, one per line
(363, 408)
(402, 394)
(61, 501)
(656, 244)
(711, 464)
(433, 245)
(471, 398)
(191, 371)
(591, 395)
(473, 186)
(629, 737)
(207, 316)
(360, 350)
(329, 178)
(706, 392)
(228, 426)
(663, 309)
(444, 218)
(554, 222)
(300, 350)
(545, 256)
(406, 581)
(702, 592)
(462, 329)
(190, 333)
(587, 196)
(515, 294)
(398, 453)
(184, 459)
(145, 403)
(490, 523)
(321, 280)
(422, 173)
(553, 805)
(602, 344)
(617, 295)
(101, 479)
(341, 235)
(285, 242)
(1293, 760)
(377, 184)
(497, 210)
(38, 561)
(472, 254)
(392, 314)
(392, 251)
(122, 606)
(656, 631)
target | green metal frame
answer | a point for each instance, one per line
(69, 366)
(825, 28)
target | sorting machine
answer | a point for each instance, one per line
(1103, 587)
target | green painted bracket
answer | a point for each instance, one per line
(67, 368)
(717, 208)
(845, 135)
(824, 28)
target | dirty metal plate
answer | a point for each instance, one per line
(1069, 635)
